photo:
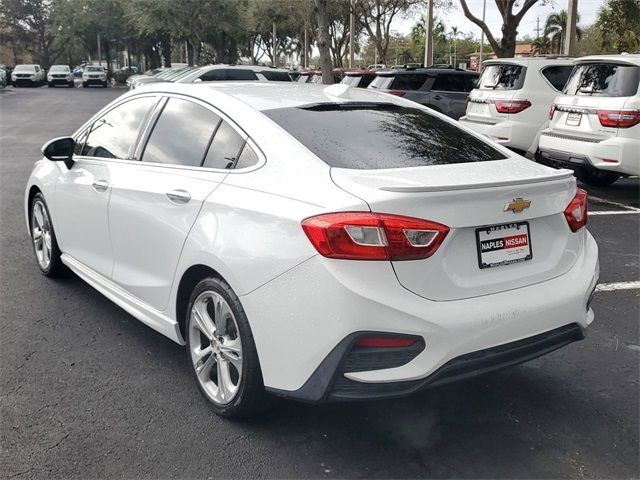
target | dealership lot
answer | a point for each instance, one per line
(88, 391)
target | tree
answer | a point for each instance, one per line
(541, 45)
(323, 41)
(618, 25)
(510, 22)
(556, 27)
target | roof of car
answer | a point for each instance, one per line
(270, 95)
(625, 58)
(524, 61)
(254, 68)
(429, 70)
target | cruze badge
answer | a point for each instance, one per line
(518, 205)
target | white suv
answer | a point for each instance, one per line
(594, 125)
(512, 100)
(27, 74)
(94, 75)
(60, 75)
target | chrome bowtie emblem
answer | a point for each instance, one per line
(518, 205)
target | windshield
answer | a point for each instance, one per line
(604, 80)
(59, 68)
(24, 68)
(380, 135)
(94, 69)
(504, 76)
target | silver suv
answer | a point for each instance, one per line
(444, 90)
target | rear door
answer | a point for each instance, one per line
(593, 97)
(156, 200)
(449, 93)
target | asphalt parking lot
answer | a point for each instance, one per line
(87, 391)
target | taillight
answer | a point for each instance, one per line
(552, 111)
(373, 236)
(397, 93)
(385, 342)
(576, 212)
(511, 106)
(619, 118)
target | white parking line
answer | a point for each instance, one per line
(614, 212)
(610, 287)
(621, 205)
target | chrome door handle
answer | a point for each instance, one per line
(178, 196)
(437, 97)
(100, 185)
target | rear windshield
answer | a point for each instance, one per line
(503, 76)
(380, 135)
(276, 76)
(604, 80)
(381, 82)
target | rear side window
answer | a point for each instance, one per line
(557, 75)
(228, 74)
(276, 76)
(410, 81)
(504, 76)
(604, 80)
(225, 147)
(381, 82)
(380, 135)
(113, 135)
(181, 134)
(450, 83)
(247, 158)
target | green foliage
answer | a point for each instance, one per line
(618, 25)
(556, 28)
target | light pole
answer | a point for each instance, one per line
(428, 36)
(352, 26)
(570, 38)
(484, 10)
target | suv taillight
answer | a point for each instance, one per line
(397, 93)
(552, 111)
(576, 212)
(511, 106)
(619, 118)
(373, 236)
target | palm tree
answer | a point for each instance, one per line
(541, 45)
(556, 27)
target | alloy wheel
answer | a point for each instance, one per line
(215, 347)
(41, 234)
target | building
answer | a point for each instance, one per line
(522, 50)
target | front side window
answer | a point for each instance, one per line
(113, 135)
(181, 134)
(446, 82)
(604, 80)
(557, 75)
(225, 147)
(380, 135)
(503, 76)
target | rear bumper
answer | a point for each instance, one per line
(304, 340)
(615, 154)
(511, 134)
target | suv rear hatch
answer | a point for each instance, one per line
(499, 84)
(595, 97)
(402, 160)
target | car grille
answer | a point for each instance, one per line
(23, 75)
(58, 76)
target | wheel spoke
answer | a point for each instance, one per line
(204, 369)
(232, 352)
(47, 240)
(222, 313)
(203, 324)
(38, 214)
(45, 254)
(225, 385)
(37, 236)
(200, 353)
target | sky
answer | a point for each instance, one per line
(587, 9)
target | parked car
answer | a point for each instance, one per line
(376, 66)
(243, 73)
(510, 105)
(321, 243)
(358, 78)
(3, 76)
(60, 75)
(306, 76)
(169, 75)
(594, 126)
(443, 90)
(28, 74)
(149, 73)
(94, 75)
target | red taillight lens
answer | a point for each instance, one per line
(511, 106)
(576, 212)
(397, 93)
(384, 342)
(619, 118)
(552, 111)
(373, 236)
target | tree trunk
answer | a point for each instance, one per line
(190, 59)
(166, 49)
(323, 41)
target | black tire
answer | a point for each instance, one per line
(84, 84)
(71, 84)
(250, 396)
(596, 178)
(50, 85)
(105, 85)
(55, 268)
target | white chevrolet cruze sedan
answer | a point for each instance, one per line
(315, 243)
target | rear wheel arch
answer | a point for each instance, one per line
(190, 278)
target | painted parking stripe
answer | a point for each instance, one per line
(613, 212)
(610, 287)
(617, 204)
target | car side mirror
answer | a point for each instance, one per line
(60, 150)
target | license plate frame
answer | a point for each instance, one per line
(514, 252)
(573, 119)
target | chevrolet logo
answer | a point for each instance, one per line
(518, 205)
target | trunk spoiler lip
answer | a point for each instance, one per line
(562, 175)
